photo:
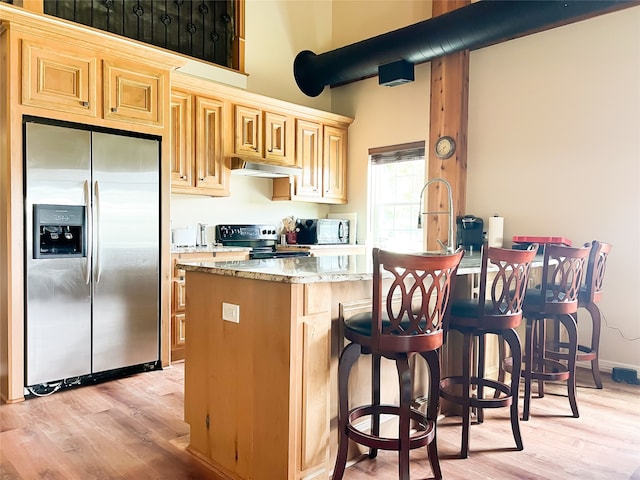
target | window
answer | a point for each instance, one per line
(396, 178)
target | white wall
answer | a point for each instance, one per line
(249, 203)
(554, 145)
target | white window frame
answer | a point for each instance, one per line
(394, 203)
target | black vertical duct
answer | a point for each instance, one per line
(477, 25)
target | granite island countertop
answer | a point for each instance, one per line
(341, 268)
(208, 249)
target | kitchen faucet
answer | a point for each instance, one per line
(449, 247)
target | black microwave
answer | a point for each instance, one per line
(322, 231)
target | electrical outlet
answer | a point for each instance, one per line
(231, 312)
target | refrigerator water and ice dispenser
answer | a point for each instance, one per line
(59, 231)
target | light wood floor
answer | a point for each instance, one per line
(132, 428)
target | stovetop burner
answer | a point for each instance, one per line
(262, 239)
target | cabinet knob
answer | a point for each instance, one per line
(184, 177)
(202, 179)
(114, 109)
(84, 104)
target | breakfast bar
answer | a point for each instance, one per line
(263, 340)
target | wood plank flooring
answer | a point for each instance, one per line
(132, 428)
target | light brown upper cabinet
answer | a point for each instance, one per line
(198, 164)
(321, 151)
(308, 149)
(212, 173)
(181, 141)
(133, 94)
(59, 80)
(264, 135)
(334, 166)
(66, 78)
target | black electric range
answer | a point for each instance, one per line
(261, 238)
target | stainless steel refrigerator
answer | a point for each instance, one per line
(92, 250)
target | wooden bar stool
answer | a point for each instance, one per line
(405, 322)
(498, 311)
(588, 298)
(556, 301)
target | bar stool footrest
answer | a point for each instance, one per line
(448, 383)
(585, 353)
(418, 439)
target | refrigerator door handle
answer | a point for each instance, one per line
(97, 226)
(89, 238)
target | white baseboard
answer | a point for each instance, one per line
(606, 367)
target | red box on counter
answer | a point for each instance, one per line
(523, 241)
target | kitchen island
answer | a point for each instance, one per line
(260, 387)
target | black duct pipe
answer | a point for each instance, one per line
(477, 25)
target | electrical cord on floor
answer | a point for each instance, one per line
(44, 389)
(618, 330)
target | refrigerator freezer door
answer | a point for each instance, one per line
(126, 251)
(58, 306)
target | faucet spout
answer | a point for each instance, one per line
(449, 247)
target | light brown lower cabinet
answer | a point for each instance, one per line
(178, 294)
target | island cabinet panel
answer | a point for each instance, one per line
(59, 80)
(257, 391)
(133, 94)
(314, 391)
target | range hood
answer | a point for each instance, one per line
(253, 168)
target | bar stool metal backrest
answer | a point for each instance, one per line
(404, 321)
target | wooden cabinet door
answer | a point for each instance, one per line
(133, 95)
(59, 81)
(181, 139)
(278, 139)
(308, 144)
(334, 165)
(212, 171)
(248, 131)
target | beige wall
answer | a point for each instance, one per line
(554, 145)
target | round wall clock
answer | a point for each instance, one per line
(445, 147)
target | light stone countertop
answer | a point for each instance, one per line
(208, 249)
(343, 268)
